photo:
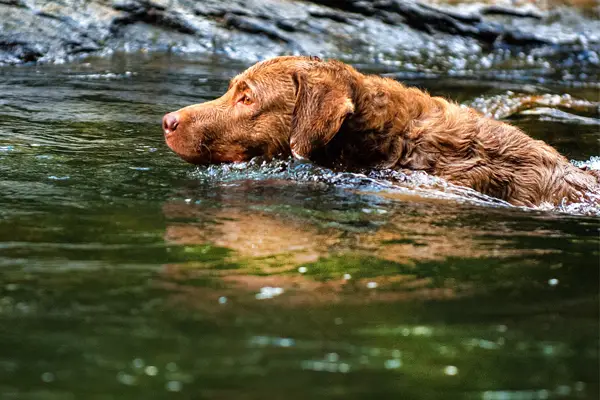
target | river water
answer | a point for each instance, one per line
(127, 273)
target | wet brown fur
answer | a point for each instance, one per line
(328, 112)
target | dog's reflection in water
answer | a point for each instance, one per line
(275, 249)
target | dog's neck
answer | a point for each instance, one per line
(381, 130)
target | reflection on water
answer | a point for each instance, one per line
(127, 273)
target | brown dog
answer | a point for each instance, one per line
(331, 114)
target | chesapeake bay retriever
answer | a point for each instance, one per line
(331, 114)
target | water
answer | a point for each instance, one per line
(126, 273)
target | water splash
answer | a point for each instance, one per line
(593, 163)
(401, 181)
(508, 104)
(393, 182)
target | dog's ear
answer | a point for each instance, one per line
(322, 105)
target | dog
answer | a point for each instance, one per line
(331, 114)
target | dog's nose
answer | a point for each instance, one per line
(170, 122)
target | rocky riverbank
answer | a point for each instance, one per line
(417, 36)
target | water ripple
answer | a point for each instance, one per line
(403, 182)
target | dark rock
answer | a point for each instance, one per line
(17, 3)
(523, 39)
(206, 11)
(511, 12)
(152, 14)
(332, 15)
(253, 25)
(363, 7)
(285, 25)
(22, 51)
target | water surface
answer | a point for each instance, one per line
(126, 273)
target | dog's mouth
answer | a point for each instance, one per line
(201, 154)
(168, 134)
(194, 154)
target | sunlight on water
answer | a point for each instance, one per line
(107, 75)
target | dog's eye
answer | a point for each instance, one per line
(246, 100)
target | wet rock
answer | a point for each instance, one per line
(255, 25)
(152, 14)
(500, 10)
(407, 35)
(432, 19)
(16, 51)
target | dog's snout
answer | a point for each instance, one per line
(170, 123)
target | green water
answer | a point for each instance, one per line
(126, 273)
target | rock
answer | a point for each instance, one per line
(407, 33)
(431, 19)
(255, 25)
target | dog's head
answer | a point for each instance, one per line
(277, 107)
